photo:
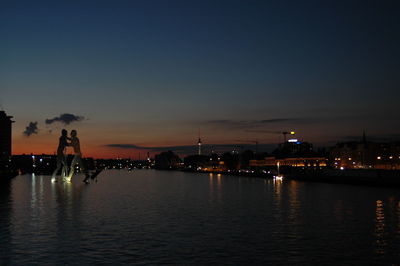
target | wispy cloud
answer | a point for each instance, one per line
(32, 128)
(279, 120)
(129, 146)
(65, 119)
(257, 124)
(153, 149)
(192, 149)
(263, 131)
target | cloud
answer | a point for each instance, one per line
(192, 149)
(133, 146)
(66, 119)
(128, 146)
(223, 121)
(279, 120)
(264, 131)
(31, 129)
(251, 124)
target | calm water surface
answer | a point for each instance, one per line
(157, 217)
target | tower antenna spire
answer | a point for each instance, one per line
(199, 144)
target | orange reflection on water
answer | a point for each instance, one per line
(213, 185)
(294, 202)
(278, 191)
(380, 227)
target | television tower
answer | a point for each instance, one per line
(199, 144)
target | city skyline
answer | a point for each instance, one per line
(137, 75)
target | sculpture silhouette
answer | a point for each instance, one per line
(61, 157)
(77, 157)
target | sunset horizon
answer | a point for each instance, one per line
(200, 132)
(152, 73)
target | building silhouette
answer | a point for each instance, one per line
(5, 134)
(167, 160)
(366, 155)
(293, 153)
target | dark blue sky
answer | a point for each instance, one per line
(153, 72)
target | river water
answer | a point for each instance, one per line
(165, 217)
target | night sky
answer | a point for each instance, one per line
(139, 74)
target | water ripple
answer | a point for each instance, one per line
(155, 217)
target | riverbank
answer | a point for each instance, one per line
(369, 177)
(5, 174)
(241, 173)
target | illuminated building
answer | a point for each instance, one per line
(293, 153)
(294, 148)
(200, 162)
(304, 162)
(5, 134)
(365, 155)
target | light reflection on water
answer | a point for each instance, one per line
(380, 228)
(158, 217)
